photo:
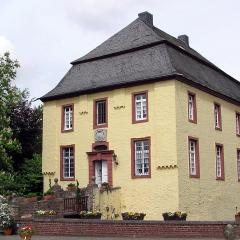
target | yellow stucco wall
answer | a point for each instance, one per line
(207, 198)
(150, 195)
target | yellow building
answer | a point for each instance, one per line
(145, 112)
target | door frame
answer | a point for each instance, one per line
(99, 156)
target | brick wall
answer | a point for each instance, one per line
(76, 227)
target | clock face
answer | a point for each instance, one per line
(100, 135)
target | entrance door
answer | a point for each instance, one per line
(101, 172)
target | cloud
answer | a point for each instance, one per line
(5, 45)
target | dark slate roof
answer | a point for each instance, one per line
(141, 53)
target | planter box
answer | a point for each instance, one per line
(174, 218)
(128, 217)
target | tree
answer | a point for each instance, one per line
(29, 179)
(8, 95)
(26, 125)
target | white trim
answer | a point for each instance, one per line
(140, 106)
(141, 157)
(192, 157)
(68, 110)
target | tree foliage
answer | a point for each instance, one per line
(20, 135)
(8, 96)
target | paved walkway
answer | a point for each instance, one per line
(16, 237)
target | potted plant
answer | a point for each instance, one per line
(177, 216)
(6, 218)
(49, 195)
(26, 232)
(237, 217)
(71, 187)
(90, 215)
(45, 213)
(133, 216)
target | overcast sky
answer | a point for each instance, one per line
(46, 35)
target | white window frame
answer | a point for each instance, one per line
(68, 162)
(68, 117)
(238, 164)
(238, 123)
(219, 170)
(141, 107)
(217, 117)
(142, 157)
(190, 106)
(192, 157)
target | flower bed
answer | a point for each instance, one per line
(133, 216)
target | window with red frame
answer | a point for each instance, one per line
(238, 124)
(67, 118)
(217, 116)
(194, 168)
(141, 157)
(238, 164)
(140, 107)
(219, 162)
(100, 113)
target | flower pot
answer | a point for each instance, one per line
(237, 218)
(25, 236)
(7, 231)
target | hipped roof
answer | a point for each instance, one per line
(141, 53)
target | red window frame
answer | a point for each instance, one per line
(133, 140)
(62, 178)
(217, 105)
(134, 120)
(197, 158)
(238, 164)
(222, 177)
(238, 124)
(95, 125)
(63, 118)
(193, 95)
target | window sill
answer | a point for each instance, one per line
(220, 178)
(100, 126)
(139, 121)
(192, 121)
(67, 130)
(142, 176)
(194, 176)
(218, 128)
(67, 179)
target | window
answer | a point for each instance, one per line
(238, 124)
(140, 107)
(67, 118)
(238, 164)
(100, 113)
(194, 167)
(217, 116)
(219, 162)
(141, 157)
(192, 109)
(67, 162)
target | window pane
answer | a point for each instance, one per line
(68, 162)
(141, 107)
(101, 112)
(141, 157)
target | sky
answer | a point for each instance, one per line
(46, 35)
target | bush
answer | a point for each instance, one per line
(6, 217)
